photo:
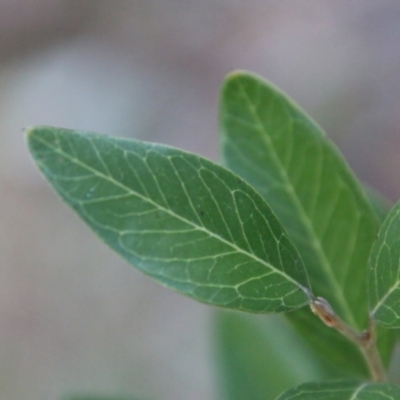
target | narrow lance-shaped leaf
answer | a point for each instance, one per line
(273, 144)
(343, 391)
(185, 221)
(384, 272)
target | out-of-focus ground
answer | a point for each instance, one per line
(75, 318)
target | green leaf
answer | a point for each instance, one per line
(269, 141)
(281, 151)
(192, 225)
(343, 391)
(384, 272)
(256, 356)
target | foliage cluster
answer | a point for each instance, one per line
(284, 224)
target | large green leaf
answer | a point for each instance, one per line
(259, 358)
(283, 153)
(343, 391)
(384, 272)
(185, 221)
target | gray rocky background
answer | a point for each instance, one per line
(75, 318)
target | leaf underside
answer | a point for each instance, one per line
(192, 225)
(274, 145)
(384, 272)
(343, 391)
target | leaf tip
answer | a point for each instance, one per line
(37, 135)
(232, 81)
(235, 75)
(28, 130)
(36, 128)
(31, 131)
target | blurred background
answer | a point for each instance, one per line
(73, 317)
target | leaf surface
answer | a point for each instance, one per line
(256, 356)
(343, 391)
(273, 144)
(384, 272)
(192, 225)
(284, 154)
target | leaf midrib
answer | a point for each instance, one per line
(315, 242)
(147, 199)
(358, 391)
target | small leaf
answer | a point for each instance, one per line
(258, 358)
(384, 272)
(183, 220)
(343, 391)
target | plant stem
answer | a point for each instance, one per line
(365, 341)
(371, 353)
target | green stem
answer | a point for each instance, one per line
(365, 341)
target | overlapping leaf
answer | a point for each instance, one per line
(260, 358)
(343, 391)
(283, 153)
(185, 221)
(384, 272)
(276, 147)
